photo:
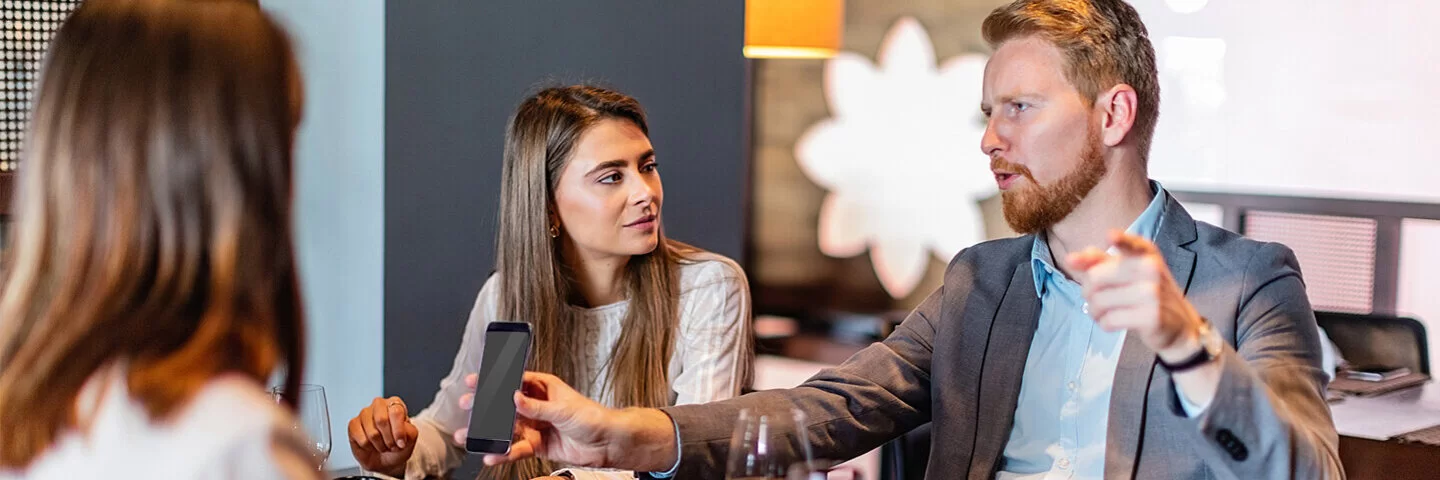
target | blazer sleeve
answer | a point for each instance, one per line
(876, 395)
(1269, 418)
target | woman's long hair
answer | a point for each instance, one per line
(154, 214)
(535, 283)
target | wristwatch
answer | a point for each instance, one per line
(1210, 347)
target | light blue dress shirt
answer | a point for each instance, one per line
(1064, 403)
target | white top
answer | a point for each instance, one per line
(714, 323)
(231, 429)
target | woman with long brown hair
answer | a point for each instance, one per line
(150, 289)
(636, 319)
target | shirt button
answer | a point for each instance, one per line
(1085, 308)
(1070, 386)
(1064, 463)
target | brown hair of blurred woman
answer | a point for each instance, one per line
(153, 224)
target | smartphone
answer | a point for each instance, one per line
(492, 416)
(1375, 373)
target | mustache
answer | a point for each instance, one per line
(1000, 163)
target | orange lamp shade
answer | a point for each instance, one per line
(793, 28)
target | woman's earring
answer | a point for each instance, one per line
(554, 231)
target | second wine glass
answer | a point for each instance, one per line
(312, 418)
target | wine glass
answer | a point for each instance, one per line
(758, 451)
(803, 468)
(752, 450)
(312, 418)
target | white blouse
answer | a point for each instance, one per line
(706, 365)
(231, 429)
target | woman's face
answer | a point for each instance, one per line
(609, 194)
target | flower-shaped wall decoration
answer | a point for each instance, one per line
(900, 157)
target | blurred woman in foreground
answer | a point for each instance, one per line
(150, 290)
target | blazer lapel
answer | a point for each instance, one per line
(1136, 365)
(1010, 334)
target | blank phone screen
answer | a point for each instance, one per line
(501, 369)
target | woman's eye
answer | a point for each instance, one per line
(611, 178)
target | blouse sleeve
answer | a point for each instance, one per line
(715, 337)
(435, 452)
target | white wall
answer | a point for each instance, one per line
(340, 198)
(1330, 98)
(1419, 281)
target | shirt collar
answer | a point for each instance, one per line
(1145, 226)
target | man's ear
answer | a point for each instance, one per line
(1118, 107)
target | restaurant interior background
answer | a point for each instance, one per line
(843, 185)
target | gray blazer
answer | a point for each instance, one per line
(957, 361)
